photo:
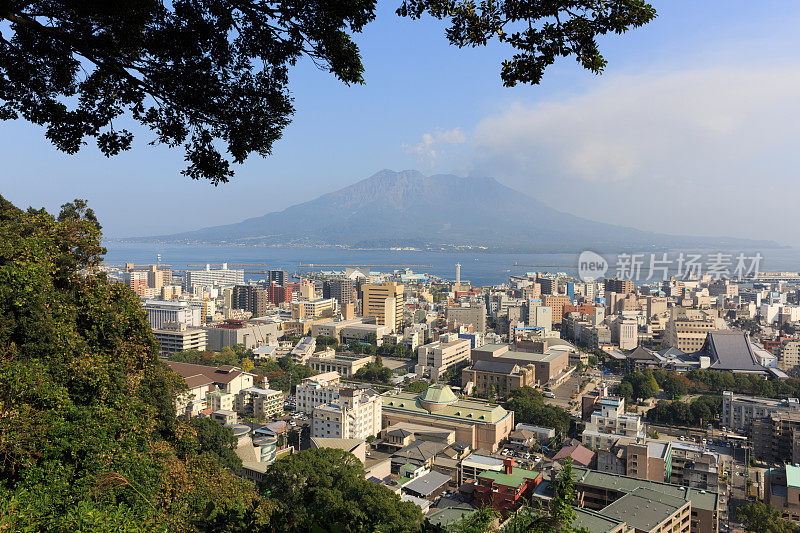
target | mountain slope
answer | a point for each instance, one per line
(409, 208)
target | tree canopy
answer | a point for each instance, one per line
(764, 518)
(638, 385)
(374, 372)
(219, 441)
(327, 486)
(212, 76)
(89, 440)
(530, 408)
(700, 412)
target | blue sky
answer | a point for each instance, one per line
(692, 130)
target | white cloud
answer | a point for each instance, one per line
(676, 125)
(431, 145)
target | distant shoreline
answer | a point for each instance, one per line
(452, 248)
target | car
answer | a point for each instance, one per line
(682, 437)
(548, 394)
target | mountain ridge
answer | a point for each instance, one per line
(408, 208)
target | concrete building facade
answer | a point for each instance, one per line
(384, 301)
(434, 360)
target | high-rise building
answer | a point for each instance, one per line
(557, 303)
(776, 437)
(251, 298)
(436, 358)
(622, 286)
(384, 301)
(474, 315)
(277, 294)
(343, 290)
(137, 281)
(355, 414)
(687, 329)
(541, 316)
(160, 313)
(157, 275)
(281, 277)
(176, 337)
(548, 285)
(223, 277)
(740, 411)
(789, 357)
(624, 333)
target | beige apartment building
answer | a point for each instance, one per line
(687, 329)
(556, 303)
(317, 390)
(175, 337)
(436, 358)
(474, 315)
(497, 377)
(789, 355)
(313, 308)
(354, 414)
(260, 402)
(649, 460)
(384, 301)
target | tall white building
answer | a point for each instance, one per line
(209, 277)
(610, 422)
(541, 316)
(160, 313)
(625, 333)
(355, 414)
(317, 390)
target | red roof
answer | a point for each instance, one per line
(213, 374)
(579, 454)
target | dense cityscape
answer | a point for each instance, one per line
(422, 266)
(460, 398)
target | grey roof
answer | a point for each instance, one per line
(594, 522)
(671, 352)
(427, 484)
(644, 509)
(499, 367)
(420, 450)
(642, 354)
(731, 350)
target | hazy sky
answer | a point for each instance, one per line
(693, 129)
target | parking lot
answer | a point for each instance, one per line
(564, 392)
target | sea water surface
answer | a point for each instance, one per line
(477, 267)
